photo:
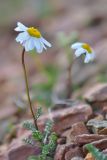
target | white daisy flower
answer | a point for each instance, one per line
(84, 48)
(31, 38)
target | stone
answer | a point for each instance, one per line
(18, 150)
(103, 131)
(61, 140)
(65, 118)
(97, 95)
(21, 152)
(61, 150)
(97, 125)
(100, 144)
(77, 129)
(88, 138)
(67, 135)
(99, 117)
(76, 151)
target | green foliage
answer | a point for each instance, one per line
(48, 127)
(29, 126)
(47, 140)
(45, 150)
(37, 135)
(95, 152)
(47, 130)
(52, 141)
(28, 141)
(39, 113)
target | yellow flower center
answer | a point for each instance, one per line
(34, 32)
(87, 47)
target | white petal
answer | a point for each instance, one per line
(38, 46)
(42, 44)
(87, 58)
(45, 42)
(29, 45)
(26, 46)
(20, 27)
(92, 55)
(22, 37)
(80, 51)
(76, 45)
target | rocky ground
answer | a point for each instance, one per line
(77, 122)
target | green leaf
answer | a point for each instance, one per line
(45, 150)
(42, 157)
(47, 130)
(29, 126)
(95, 152)
(28, 141)
(37, 135)
(48, 126)
(53, 137)
(39, 113)
(52, 143)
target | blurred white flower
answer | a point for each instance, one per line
(31, 38)
(84, 48)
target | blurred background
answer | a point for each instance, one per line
(61, 22)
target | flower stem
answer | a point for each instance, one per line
(69, 81)
(69, 73)
(27, 88)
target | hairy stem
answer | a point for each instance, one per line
(27, 88)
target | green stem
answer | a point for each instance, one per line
(27, 88)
